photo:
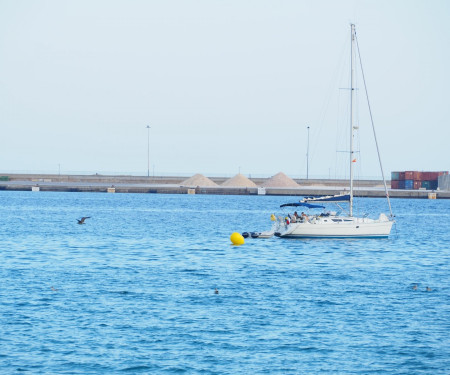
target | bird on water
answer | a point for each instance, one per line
(216, 291)
(81, 221)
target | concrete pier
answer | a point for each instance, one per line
(173, 185)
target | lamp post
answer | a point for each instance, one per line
(148, 151)
(307, 156)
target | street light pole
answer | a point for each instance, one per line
(148, 151)
(307, 157)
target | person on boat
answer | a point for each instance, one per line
(286, 220)
(293, 219)
(304, 217)
(296, 215)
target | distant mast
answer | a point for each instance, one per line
(351, 116)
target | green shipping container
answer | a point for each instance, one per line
(430, 185)
(4, 178)
(395, 176)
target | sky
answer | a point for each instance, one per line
(225, 86)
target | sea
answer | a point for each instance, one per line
(132, 291)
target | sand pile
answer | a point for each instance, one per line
(198, 180)
(281, 180)
(239, 181)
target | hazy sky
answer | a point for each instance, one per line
(226, 86)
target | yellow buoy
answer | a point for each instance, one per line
(273, 218)
(237, 239)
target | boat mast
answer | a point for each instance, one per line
(351, 116)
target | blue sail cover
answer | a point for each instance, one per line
(329, 198)
(301, 204)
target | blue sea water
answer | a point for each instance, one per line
(132, 290)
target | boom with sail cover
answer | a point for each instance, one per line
(301, 204)
(329, 198)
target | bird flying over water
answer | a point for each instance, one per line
(81, 221)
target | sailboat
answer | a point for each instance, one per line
(331, 224)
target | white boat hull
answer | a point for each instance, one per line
(268, 234)
(338, 227)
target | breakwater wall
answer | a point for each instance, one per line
(173, 185)
(164, 180)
